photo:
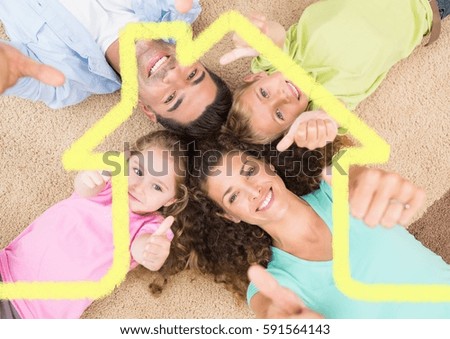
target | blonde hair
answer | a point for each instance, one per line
(238, 122)
(170, 141)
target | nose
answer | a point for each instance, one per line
(174, 76)
(253, 192)
(283, 95)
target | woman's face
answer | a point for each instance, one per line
(273, 103)
(247, 190)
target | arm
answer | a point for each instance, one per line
(275, 301)
(272, 29)
(15, 65)
(152, 250)
(90, 183)
(380, 197)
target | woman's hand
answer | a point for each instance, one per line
(14, 65)
(152, 250)
(380, 197)
(275, 301)
(312, 129)
(272, 29)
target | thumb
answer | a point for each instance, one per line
(165, 226)
(289, 137)
(283, 298)
(183, 6)
(44, 73)
(236, 54)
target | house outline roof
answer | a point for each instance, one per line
(80, 156)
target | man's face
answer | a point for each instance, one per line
(168, 89)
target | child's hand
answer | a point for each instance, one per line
(384, 198)
(157, 246)
(275, 301)
(90, 183)
(272, 29)
(312, 129)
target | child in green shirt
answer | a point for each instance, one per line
(348, 46)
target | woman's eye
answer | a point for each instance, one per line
(170, 98)
(232, 198)
(264, 93)
(250, 171)
(157, 187)
(138, 172)
(192, 75)
(279, 114)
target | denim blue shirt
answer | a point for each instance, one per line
(45, 31)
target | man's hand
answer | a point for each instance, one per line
(380, 197)
(275, 301)
(183, 6)
(312, 129)
(157, 247)
(14, 65)
(272, 29)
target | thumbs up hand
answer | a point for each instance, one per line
(152, 250)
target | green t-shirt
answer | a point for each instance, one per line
(348, 46)
(377, 255)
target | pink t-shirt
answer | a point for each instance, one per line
(71, 241)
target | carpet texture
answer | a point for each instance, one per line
(410, 111)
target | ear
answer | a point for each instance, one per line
(255, 76)
(170, 202)
(144, 108)
(230, 217)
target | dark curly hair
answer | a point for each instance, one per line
(211, 244)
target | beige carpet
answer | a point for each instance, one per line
(410, 110)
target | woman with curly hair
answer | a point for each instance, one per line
(247, 216)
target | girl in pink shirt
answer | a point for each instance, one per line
(73, 240)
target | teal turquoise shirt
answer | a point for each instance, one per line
(377, 255)
(348, 46)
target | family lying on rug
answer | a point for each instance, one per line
(255, 216)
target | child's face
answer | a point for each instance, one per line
(273, 103)
(151, 181)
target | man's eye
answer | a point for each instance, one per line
(170, 98)
(156, 187)
(232, 198)
(264, 93)
(192, 74)
(279, 114)
(138, 172)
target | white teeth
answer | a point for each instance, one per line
(295, 89)
(266, 201)
(158, 64)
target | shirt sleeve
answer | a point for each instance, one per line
(70, 93)
(262, 64)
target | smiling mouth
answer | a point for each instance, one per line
(155, 64)
(294, 90)
(266, 202)
(132, 197)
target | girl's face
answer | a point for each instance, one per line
(273, 103)
(248, 190)
(151, 181)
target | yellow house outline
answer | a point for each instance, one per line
(80, 156)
